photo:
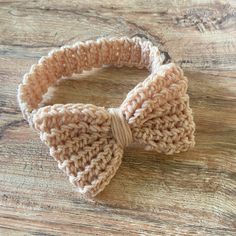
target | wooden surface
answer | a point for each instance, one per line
(192, 193)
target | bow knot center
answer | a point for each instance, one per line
(120, 128)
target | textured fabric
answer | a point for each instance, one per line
(88, 141)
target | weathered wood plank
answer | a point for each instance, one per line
(191, 193)
(179, 28)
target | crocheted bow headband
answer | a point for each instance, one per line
(88, 141)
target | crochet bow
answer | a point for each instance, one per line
(88, 141)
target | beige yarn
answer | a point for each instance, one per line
(88, 141)
(120, 128)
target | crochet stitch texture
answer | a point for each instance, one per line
(88, 141)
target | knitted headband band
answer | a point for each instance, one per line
(88, 141)
(80, 57)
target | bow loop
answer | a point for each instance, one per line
(158, 113)
(81, 140)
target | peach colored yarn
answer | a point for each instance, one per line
(88, 141)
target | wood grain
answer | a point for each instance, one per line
(192, 193)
